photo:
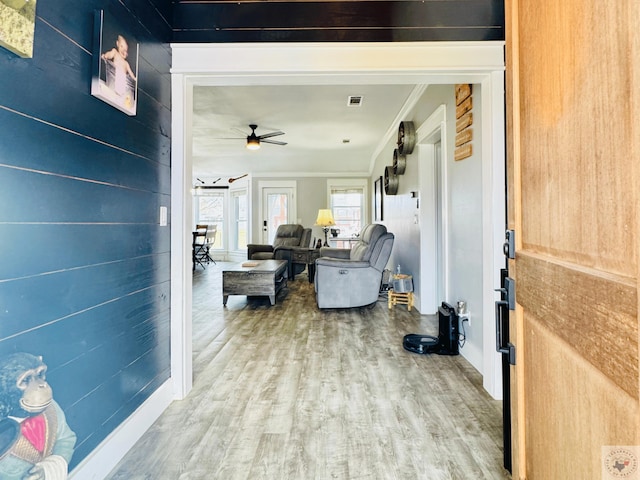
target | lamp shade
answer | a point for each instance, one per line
(325, 218)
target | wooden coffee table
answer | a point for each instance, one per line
(266, 278)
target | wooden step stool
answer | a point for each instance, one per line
(400, 299)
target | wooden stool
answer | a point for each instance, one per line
(400, 299)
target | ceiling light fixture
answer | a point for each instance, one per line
(253, 142)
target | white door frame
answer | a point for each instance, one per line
(432, 130)
(418, 63)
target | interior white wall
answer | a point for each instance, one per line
(402, 214)
(400, 217)
(466, 256)
(464, 220)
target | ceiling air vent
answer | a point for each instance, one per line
(354, 101)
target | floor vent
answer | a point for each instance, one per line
(354, 100)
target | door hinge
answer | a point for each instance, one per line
(509, 246)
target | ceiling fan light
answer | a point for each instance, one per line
(253, 143)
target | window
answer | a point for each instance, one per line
(240, 219)
(210, 211)
(347, 200)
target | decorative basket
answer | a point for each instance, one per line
(402, 283)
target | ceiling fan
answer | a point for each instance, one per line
(253, 140)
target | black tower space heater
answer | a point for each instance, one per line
(446, 343)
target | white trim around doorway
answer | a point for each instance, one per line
(418, 63)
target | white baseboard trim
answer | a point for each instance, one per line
(106, 456)
(237, 256)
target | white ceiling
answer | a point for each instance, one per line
(316, 121)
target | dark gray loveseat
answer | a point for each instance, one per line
(287, 236)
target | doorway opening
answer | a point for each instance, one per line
(415, 63)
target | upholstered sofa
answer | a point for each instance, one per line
(351, 277)
(287, 236)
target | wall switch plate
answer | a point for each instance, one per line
(163, 216)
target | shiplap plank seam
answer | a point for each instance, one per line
(81, 267)
(74, 314)
(115, 147)
(72, 177)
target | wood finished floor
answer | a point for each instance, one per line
(291, 392)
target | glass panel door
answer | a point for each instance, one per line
(276, 211)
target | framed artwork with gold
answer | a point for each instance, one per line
(17, 26)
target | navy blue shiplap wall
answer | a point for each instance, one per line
(84, 263)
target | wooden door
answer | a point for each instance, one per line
(574, 149)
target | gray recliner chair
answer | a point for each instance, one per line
(351, 277)
(287, 236)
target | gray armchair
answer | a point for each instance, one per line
(351, 277)
(287, 236)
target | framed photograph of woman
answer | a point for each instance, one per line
(115, 64)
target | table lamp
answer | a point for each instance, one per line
(325, 220)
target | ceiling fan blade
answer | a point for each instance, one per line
(231, 180)
(275, 142)
(240, 131)
(268, 135)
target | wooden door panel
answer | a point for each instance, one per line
(591, 311)
(579, 176)
(572, 409)
(573, 153)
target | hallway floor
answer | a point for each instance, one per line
(291, 392)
